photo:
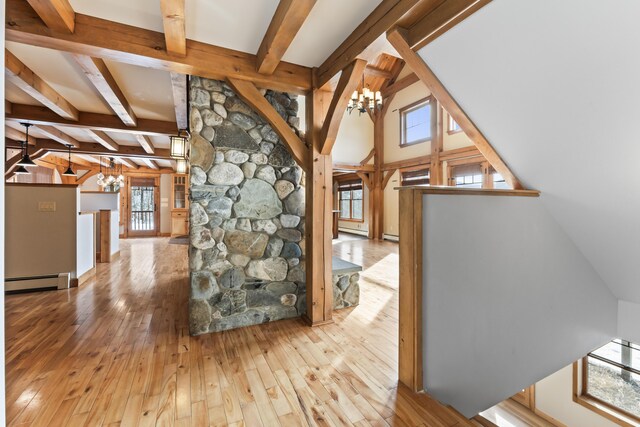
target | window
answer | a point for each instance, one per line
(610, 381)
(469, 175)
(453, 127)
(613, 375)
(416, 122)
(417, 177)
(350, 196)
(498, 180)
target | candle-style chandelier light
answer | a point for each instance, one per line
(364, 99)
(110, 176)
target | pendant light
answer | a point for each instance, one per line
(21, 170)
(69, 171)
(26, 160)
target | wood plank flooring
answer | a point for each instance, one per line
(116, 351)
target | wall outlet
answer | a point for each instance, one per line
(46, 206)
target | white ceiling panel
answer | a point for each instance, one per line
(139, 13)
(62, 74)
(329, 24)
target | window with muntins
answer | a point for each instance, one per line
(416, 122)
(611, 375)
(350, 194)
(469, 176)
(453, 126)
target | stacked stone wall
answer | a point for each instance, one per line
(246, 213)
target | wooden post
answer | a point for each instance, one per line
(436, 176)
(105, 235)
(410, 290)
(318, 221)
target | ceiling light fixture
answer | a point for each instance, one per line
(21, 170)
(364, 100)
(69, 171)
(26, 160)
(112, 177)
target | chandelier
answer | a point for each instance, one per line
(364, 100)
(112, 178)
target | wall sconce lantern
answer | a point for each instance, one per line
(180, 145)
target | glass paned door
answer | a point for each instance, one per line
(142, 215)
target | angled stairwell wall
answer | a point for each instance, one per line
(508, 298)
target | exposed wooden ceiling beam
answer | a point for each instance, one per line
(56, 14)
(285, 24)
(22, 76)
(145, 143)
(351, 167)
(58, 136)
(103, 139)
(372, 71)
(348, 82)
(403, 83)
(17, 135)
(444, 17)
(252, 96)
(150, 163)
(174, 26)
(127, 163)
(97, 72)
(123, 43)
(128, 151)
(380, 20)
(104, 122)
(179, 89)
(397, 38)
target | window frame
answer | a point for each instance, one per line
(582, 397)
(412, 107)
(351, 200)
(450, 122)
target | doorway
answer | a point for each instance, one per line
(143, 207)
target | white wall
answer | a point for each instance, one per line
(85, 243)
(91, 202)
(554, 397)
(629, 321)
(561, 107)
(165, 201)
(508, 299)
(355, 138)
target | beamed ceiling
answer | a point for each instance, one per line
(110, 74)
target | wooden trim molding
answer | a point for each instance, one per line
(461, 191)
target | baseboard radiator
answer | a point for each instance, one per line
(51, 281)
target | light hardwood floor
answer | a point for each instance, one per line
(116, 351)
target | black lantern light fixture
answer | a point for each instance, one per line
(69, 171)
(26, 161)
(180, 145)
(21, 170)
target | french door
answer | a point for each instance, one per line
(143, 207)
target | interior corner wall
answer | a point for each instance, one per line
(165, 201)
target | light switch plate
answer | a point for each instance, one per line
(46, 206)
